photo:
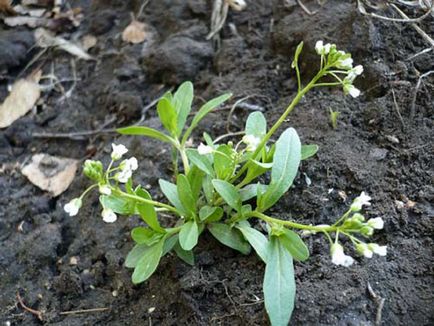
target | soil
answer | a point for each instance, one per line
(59, 263)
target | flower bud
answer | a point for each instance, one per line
(93, 170)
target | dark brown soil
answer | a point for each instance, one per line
(380, 147)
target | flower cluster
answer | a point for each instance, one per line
(356, 224)
(334, 58)
(94, 170)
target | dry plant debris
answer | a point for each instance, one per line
(51, 173)
(21, 99)
(135, 32)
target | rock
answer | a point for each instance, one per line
(180, 57)
(14, 47)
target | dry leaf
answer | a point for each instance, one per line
(5, 6)
(135, 32)
(23, 96)
(32, 22)
(46, 39)
(88, 42)
(29, 11)
(51, 173)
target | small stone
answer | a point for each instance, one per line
(73, 261)
(151, 310)
(115, 293)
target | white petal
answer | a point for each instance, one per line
(132, 163)
(319, 47)
(204, 149)
(353, 91)
(73, 206)
(118, 151)
(105, 190)
(376, 223)
(108, 215)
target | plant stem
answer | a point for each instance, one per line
(282, 118)
(148, 201)
(294, 225)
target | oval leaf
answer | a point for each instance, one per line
(295, 246)
(185, 194)
(189, 235)
(256, 124)
(285, 166)
(258, 241)
(167, 114)
(201, 161)
(308, 151)
(171, 192)
(145, 131)
(147, 211)
(182, 100)
(279, 284)
(229, 237)
(145, 236)
(229, 193)
(148, 263)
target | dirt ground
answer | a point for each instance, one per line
(381, 146)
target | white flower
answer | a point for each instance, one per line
(376, 223)
(252, 142)
(204, 149)
(379, 250)
(359, 202)
(105, 189)
(345, 63)
(73, 206)
(322, 49)
(237, 5)
(338, 256)
(108, 215)
(353, 73)
(127, 168)
(118, 151)
(364, 249)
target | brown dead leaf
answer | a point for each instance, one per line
(135, 32)
(46, 39)
(6, 7)
(51, 173)
(88, 41)
(21, 99)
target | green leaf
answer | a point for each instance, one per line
(167, 115)
(256, 124)
(295, 246)
(145, 236)
(182, 99)
(171, 192)
(195, 176)
(118, 204)
(203, 111)
(285, 166)
(185, 194)
(308, 151)
(133, 257)
(169, 244)
(147, 211)
(258, 241)
(279, 284)
(230, 237)
(297, 54)
(228, 192)
(208, 139)
(223, 161)
(208, 189)
(145, 131)
(185, 255)
(250, 191)
(256, 169)
(147, 265)
(210, 214)
(189, 235)
(201, 161)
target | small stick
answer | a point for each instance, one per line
(397, 109)
(419, 53)
(306, 9)
(37, 313)
(413, 102)
(380, 304)
(83, 311)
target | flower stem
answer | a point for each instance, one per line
(148, 201)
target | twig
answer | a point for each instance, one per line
(405, 19)
(240, 104)
(306, 9)
(231, 134)
(142, 8)
(421, 32)
(398, 112)
(419, 53)
(419, 82)
(83, 311)
(37, 313)
(380, 304)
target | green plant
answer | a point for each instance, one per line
(217, 188)
(334, 115)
